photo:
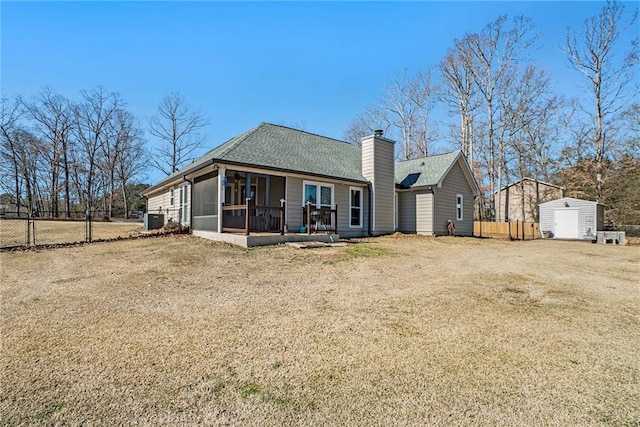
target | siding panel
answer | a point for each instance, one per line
(424, 213)
(445, 203)
(407, 212)
(589, 216)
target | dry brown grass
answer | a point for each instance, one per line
(389, 331)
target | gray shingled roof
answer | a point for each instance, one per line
(283, 148)
(425, 171)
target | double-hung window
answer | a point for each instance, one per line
(355, 207)
(459, 211)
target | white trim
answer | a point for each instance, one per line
(361, 207)
(318, 192)
(184, 208)
(461, 216)
(395, 210)
(222, 173)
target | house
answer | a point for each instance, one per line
(520, 200)
(434, 190)
(273, 184)
(570, 218)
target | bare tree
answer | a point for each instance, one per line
(494, 53)
(53, 116)
(364, 125)
(592, 53)
(406, 106)
(460, 92)
(177, 127)
(530, 110)
(128, 162)
(9, 116)
(92, 130)
(404, 112)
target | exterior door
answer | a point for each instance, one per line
(565, 223)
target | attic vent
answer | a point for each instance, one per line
(378, 132)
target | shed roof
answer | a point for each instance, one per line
(569, 200)
(532, 180)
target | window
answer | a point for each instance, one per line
(171, 197)
(355, 207)
(319, 196)
(311, 191)
(183, 212)
(459, 211)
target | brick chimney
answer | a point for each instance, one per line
(378, 166)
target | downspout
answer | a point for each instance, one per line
(433, 211)
(370, 212)
(184, 177)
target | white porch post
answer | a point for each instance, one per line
(222, 175)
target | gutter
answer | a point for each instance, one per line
(370, 211)
(169, 179)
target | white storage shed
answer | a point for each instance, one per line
(569, 218)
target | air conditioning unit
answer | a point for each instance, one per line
(153, 221)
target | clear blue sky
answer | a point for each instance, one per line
(243, 63)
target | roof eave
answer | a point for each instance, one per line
(178, 176)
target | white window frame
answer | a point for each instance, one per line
(318, 185)
(360, 224)
(459, 207)
(184, 205)
(318, 193)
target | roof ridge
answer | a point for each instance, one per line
(309, 133)
(430, 157)
(239, 139)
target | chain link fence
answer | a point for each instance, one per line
(19, 229)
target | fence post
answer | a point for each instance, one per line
(33, 231)
(88, 226)
(246, 217)
(282, 217)
(27, 232)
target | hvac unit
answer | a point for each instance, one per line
(153, 221)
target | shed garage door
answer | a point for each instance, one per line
(565, 223)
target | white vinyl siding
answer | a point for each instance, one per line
(160, 203)
(424, 213)
(590, 216)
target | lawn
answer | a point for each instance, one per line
(388, 331)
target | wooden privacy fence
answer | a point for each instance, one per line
(514, 230)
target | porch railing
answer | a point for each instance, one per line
(247, 218)
(321, 219)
